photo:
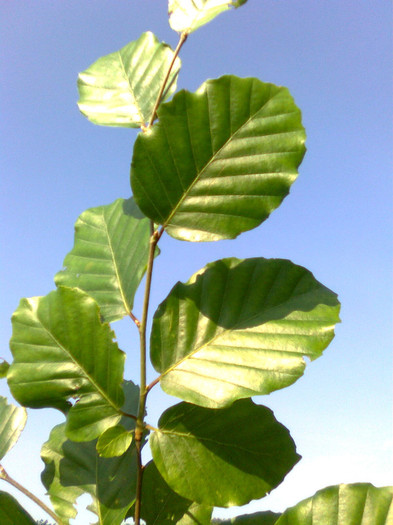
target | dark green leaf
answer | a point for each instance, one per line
(12, 422)
(188, 15)
(161, 505)
(239, 328)
(220, 160)
(62, 351)
(114, 442)
(72, 469)
(4, 366)
(109, 256)
(356, 504)
(11, 513)
(121, 89)
(222, 457)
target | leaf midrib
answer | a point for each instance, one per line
(213, 158)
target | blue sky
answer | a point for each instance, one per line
(336, 59)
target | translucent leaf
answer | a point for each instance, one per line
(114, 442)
(4, 366)
(121, 89)
(72, 469)
(356, 504)
(109, 256)
(220, 160)
(12, 422)
(240, 328)
(188, 15)
(222, 457)
(161, 505)
(64, 355)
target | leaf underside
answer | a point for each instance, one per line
(220, 160)
(240, 328)
(222, 457)
(62, 351)
(11, 512)
(109, 256)
(12, 422)
(355, 504)
(188, 15)
(121, 89)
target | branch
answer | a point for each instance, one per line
(8, 479)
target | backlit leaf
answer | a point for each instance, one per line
(220, 160)
(12, 513)
(356, 504)
(63, 354)
(240, 328)
(109, 256)
(188, 15)
(121, 89)
(222, 457)
(12, 422)
(114, 442)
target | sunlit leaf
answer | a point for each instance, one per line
(121, 89)
(109, 256)
(114, 442)
(189, 15)
(11, 512)
(220, 160)
(62, 354)
(12, 422)
(222, 457)
(72, 469)
(240, 328)
(356, 504)
(161, 505)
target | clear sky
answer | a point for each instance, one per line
(336, 58)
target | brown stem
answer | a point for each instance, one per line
(11, 481)
(183, 38)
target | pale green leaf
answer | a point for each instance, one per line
(161, 505)
(11, 512)
(109, 256)
(220, 160)
(240, 328)
(186, 16)
(222, 457)
(72, 469)
(12, 422)
(62, 353)
(356, 504)
(121, 89)
(114, 442)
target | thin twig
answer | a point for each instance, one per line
(136, 321)
(183, 38)
(11, 481)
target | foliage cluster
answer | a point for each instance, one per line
(206, 166)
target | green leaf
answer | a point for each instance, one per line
(121, 89)
(62, 351)
(4, 366)
(12, 422)
(222, 457)
(161, 505)
(258, 518)
(240, 328)
(220, 160)
(188, 15)
(109, 256)
(72, 469)
(356, 504)
(11, 512)
(114, 442)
